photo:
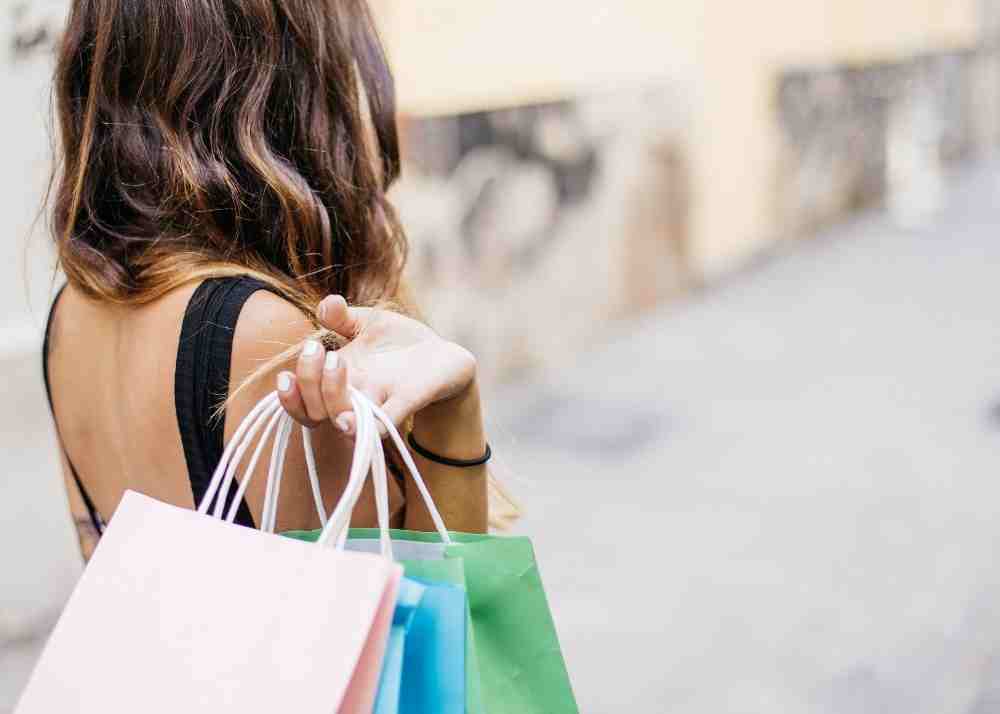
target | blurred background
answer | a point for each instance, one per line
(739, 268)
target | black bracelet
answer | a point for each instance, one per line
(459, 463)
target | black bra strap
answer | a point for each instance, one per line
(95, 518)
(201, 379)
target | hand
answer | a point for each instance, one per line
(398, 362)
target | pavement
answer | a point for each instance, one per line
(782, 495)
(779, 495)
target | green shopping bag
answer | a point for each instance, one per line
(521, 667)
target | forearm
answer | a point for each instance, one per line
(452, 428)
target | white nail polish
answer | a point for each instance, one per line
(310, 348)
(331, 361)
(284, 382)
(343, 423)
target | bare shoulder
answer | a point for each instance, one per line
(270, 323)
(268, 327)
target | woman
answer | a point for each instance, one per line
(220, 213)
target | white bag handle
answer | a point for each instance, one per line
(367, 412)
(241, 491)
(404, 452)
(267, 411)
(307, 447)
(360, 466)
(274, 472)
(237, 443)
(368, 448)
(368, 456)
(276, 468)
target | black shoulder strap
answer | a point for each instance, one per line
(201, 379)
(95, 517)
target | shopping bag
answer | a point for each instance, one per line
(407, 601)
(178, 611)
(521, 667)
(516, 649)
(433, 680)
(447, 572)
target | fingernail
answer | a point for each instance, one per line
(343, 423)
(310, 348)
(284, 382)
(321, 310)
(331, 361)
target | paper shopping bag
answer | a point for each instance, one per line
(179, 612)
(521, 666)
(520, 663)
(433, 679)
(410, 595)
(443, 572)
(516, 648)
(424, 667)
(447, 572)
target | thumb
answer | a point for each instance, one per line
(335, 314)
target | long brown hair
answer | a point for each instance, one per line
(226, 136)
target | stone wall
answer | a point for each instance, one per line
(532, 228)
(857, 135)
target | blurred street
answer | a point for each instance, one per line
(782, 496)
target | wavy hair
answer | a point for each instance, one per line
(213, 137)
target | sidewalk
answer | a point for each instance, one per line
(784, 495)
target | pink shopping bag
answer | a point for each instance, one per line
(180, 612)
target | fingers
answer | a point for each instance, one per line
(336, 399)
(345, 420)
(309, 377)
(317, 391)
(334, 314)
(320, 387)
(291, 399)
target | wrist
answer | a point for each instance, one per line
(453, 427)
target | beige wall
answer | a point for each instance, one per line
(457, 55)
(453, 55)
(737, 148)
(856, 30)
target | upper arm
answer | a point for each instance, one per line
(265, 342)
(268, 326)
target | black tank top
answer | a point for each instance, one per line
(201, 381)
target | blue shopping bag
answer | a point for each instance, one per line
(424, 667)
(407, 602)
(433, 680)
